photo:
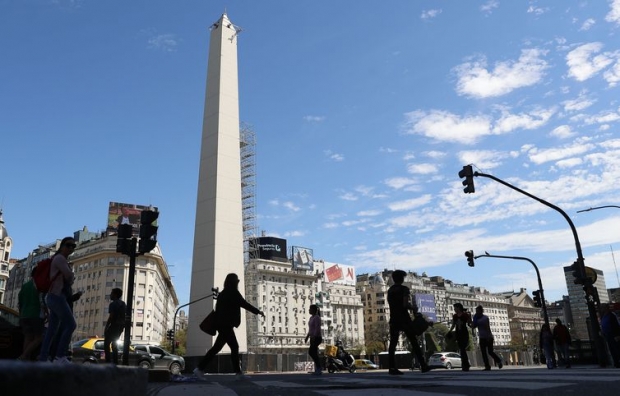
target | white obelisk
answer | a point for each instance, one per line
(218, 233)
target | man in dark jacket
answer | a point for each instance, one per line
(399, 299)
(227, 317)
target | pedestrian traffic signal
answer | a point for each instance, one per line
(148, 231)
(470, 257)
(124, 234)
(468, 173)
(537, 299)
(170, 335)
(576, 270)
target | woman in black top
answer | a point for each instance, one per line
(227, 317)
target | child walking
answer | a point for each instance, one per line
(314, 333)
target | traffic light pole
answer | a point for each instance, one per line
(540, 286)
(216, 292)
(129, 300)
(601, 352)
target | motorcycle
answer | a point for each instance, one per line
(343, 361)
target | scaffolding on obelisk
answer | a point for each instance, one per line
(218, 233)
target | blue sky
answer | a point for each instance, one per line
(364, 114)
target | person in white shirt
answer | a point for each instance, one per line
(481, 322)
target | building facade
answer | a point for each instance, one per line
(6, 244)
(98, 269)
(579, 307)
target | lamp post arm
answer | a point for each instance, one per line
(598, 207)
(174, 321)
(540, 286)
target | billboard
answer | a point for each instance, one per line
(302, 258)
(426, 305)
(340, 274)
(124, 213)
(271, 248)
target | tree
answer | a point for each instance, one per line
(379, 332)
(181, 339)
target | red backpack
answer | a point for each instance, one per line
(41, 275)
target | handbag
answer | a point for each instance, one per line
(419, 324)
(208, 324)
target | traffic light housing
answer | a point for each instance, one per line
(470, 257)
(148, 231)
(124, 234)
(468, 173)
(170, 335)
(537, 299)
(576, 270)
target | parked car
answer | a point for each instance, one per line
(163, 358)
(90, 351)
(11, 336)
(445, 359)
(365, 364)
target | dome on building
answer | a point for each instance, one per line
(3, 232)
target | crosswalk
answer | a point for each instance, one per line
(434, 383)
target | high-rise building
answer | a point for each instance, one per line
(218, 232)
(578, 305)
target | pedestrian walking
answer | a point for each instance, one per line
(461, 319)
(562, 339)
(610, 327)
(485, 336)
(546, 345)
(114, 326)
(227, 317)
(30, 319)
(399, 300)
(60, 316)
(314, 334)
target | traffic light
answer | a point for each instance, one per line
(148, 231)
(470, 257)
(575, 268)
(123, 241)
(170, 335)
(537, 299)
(468, 173)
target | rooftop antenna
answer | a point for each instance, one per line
(614, 259)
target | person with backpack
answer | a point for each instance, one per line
(60, 318)
(30, 319)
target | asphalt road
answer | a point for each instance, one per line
(510, 381)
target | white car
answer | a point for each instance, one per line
(445, 359)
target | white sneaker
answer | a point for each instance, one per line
(61, 360)
(198, 373)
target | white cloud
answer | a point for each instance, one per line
(348, 197)
(400, 182)
(163, 42)
(410, 203)
(602, 118)
(291, 206)
(587, 24)
(484, 159)
(612, 75)
(310, 118)
(562, 132)
(475, 80)
(536, 10)
(423, 169)
(613, 16)
(435, 154)
(445, 126)
(580, 103)
(509, 122)
(489, 6)
(584, 64)
(540, 156)
(333, 156)
(429, 14)
(569, 163)
(369, 213)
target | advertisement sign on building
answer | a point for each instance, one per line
(302, 258)
(124, 213)
(340, 274)
(426, 305)
(271, 248)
